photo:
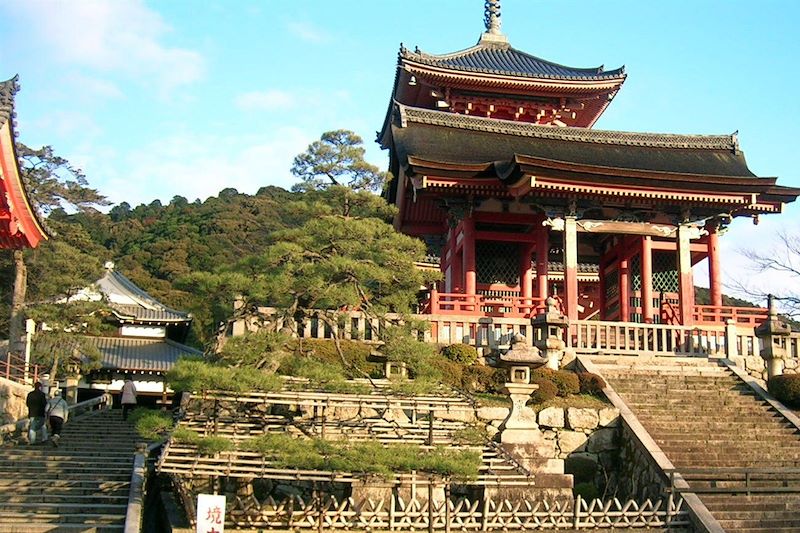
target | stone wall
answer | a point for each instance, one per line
(637, 475)
(12, 401)
(579, 441)
(754, 365)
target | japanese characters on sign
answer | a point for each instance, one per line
(210, 513)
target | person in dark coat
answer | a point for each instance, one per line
(37, 403)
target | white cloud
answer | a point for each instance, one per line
(65, 124)
(121, 36)
(91, 88)
(199, 166)
(307, 31)
(269, 100)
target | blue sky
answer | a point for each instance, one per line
(157, 99)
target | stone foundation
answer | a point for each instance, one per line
(12, 401)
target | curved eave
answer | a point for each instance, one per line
(515, 56)
(509, 81)
(20, 226)
(603, 174)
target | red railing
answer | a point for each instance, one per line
(720, 314)
(479, 305)
(16, 369)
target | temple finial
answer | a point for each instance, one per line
(491, 16)
(491, 19)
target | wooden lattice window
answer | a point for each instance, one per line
(497, 262)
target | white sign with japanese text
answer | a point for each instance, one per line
(210, 513)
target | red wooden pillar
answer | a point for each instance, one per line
(685, 279)
(714, 272)
(647, 280)
(468, 249)
(571, 266)
(624, 288)
(542, 261)
(456, 262)
(526, 275)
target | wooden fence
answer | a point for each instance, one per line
(462, 514)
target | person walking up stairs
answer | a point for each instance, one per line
(82, 485)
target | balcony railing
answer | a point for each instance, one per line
(720, 314)
(480, 305)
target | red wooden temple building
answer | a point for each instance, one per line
(497, 168)
(20, 226)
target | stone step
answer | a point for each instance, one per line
(84, 518)
(775, 524)
(65, 507)
(59, 528)
(48, 497)
(7, 484)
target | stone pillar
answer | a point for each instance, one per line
(685, 278)
(647, 279)
(571, 266)
(72, 390)
(773, 335)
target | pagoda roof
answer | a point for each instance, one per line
(20, 225)
(132, 304)
(501, 58)
(484, 151)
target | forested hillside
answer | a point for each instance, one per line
(327, 242)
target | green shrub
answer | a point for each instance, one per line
(184, 435)
(369, 457)
(566, 382)
(150, 424)
(591, 383)
(786, 388)
(205, 445)
(213, 445)
(485, 379)
(260, 349)
(355, 354)
(197, 375)
(460, 353)
(546, 391)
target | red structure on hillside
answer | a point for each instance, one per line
(497, 169)
(20, 226)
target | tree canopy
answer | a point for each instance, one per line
(337, 158)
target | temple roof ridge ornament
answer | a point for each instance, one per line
(491, 19)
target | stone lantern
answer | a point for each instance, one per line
(520, 360)
(773, 334)
(549, 333)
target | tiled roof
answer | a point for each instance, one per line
(130, 302)
(501, 58)
(448, 137)
(139, 313)
(8, 89)
(408, 114)
(126, 353)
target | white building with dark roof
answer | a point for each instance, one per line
(148, 341)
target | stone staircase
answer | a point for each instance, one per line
(82, 485)
(703, 416)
